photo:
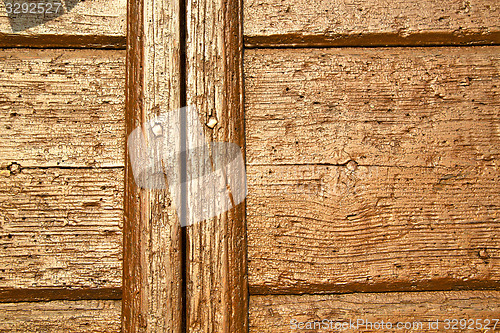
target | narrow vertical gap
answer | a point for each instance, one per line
(182, 218)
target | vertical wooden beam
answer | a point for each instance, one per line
(216, 292)
(152, 288)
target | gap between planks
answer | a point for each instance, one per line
(14, 295)
(63, 42)
(373, 40)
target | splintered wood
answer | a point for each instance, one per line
(152, 276)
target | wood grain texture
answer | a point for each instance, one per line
(152, 277)
(217, 293)
(403, 107)
(61, 316)
(274, 313)
(61, 172)
(61, 108)
(370, 23)
(372, 170)
(90, 24)
(61, 228)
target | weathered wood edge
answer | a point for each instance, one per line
(8, 40)
(152, 293)
(373, 40)
(12, 295)
(275, 313)
(217, 286)
(350, 288)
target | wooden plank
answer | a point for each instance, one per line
(372, 170)
(217, 293)
(60, 228)
(61, 116)
(272, 23)
(61, 108)
(400, 107)
(89, 24)
(281, 313)
(61, 316)
(152, 277)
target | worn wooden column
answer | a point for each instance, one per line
(216, 249)
(152, 284)
(184, 53)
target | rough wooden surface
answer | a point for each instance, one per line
(403, 107)
(373, 169)
(61, 316)
(16, 295)
(61, 228)
(61, 108)
(274, 313)
(61, 172)
(271, 23)
(217, 294)
(327, 228)
(91, 23)
(152, 277)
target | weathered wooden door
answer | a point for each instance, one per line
(371, 136)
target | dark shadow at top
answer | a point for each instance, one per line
(25, 14)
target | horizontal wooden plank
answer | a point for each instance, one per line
(61, 316)
(87, 24)
(61, 228)
(355, 228)
(420, 312)
(372, 170)
(62, 119)
(62, 107)
(402, 107)
(271, 23)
